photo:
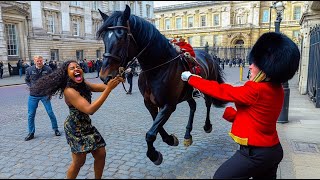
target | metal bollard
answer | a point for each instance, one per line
(241, 73)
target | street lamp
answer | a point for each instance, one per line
(283, 117)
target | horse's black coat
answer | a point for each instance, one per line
(160, 80)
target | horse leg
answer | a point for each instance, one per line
(161, 118)
(208, 126)
(187, 137)
(171, 140)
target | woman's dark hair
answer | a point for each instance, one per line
(55, 83)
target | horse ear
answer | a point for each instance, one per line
(103, 15)
(126, 13)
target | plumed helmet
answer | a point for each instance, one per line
(276, 55)
(174, 40)
(182, 39)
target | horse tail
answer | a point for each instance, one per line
(220, 79)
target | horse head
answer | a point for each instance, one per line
(116, 35)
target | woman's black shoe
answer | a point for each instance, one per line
(57, 133)
(29, 137)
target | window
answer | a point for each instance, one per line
(265, 15)
(12, 39)
(216, 20)
(79, 55)
(215, 40)
(116, 5)
(202, 41)
(190, 40)
(239, 20)
(203, 20)
(50, 24)
(54, 54)
(157, 23)
(148, 11)
(190, 21)
(98, 54)
(75, 3)
(95, 26)
(297, 13)
(95, 5)
(178, 23)
(295, 34)
(167, 24)
(131, 4)
(76, 27)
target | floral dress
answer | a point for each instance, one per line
(81, 135)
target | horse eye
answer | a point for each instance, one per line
(119, 31)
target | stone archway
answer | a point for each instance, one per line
(239, 48)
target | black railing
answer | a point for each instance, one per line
(313, 81)
(227, 52)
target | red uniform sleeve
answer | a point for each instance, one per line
(246, 94)
(229, 114)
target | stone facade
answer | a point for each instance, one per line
(226, 23)
(57, 30)
(310, 18)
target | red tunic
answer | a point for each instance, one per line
(186, 47)
(258, 108)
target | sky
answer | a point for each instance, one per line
(166, 3)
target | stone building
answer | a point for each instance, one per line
(309, 71)
(57, 30)
(226, 24)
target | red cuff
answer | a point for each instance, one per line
(229, 114)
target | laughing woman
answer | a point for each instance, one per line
(81, 135)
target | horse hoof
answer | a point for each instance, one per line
(187, 142)
(175, 140)
(159, 160)
(208, 130)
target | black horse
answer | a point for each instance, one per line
(129, 37)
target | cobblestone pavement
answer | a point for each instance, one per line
(123, 121)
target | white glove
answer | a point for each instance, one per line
(185, 75)
(128, 70)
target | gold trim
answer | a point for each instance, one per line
(239, 140)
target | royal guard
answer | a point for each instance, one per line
(188, 52)
(258, 103)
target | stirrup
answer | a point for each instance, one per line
(196, 93)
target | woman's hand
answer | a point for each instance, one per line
(114, 82)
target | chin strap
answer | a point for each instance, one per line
(261, 76)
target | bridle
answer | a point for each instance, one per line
(122, 69)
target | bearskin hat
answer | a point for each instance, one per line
(276, 55)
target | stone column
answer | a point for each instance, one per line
(304, 60)
(37, 21)
(65, 17)
(3, 48)
(88, 20)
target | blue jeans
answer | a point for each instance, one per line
(33, 102)
(20, 72)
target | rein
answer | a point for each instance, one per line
(162, 64)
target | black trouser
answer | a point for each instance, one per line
(249, 161)
(1, 73)
(129, 79)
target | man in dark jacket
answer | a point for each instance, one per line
(129, 74)
(1, 69)
(20, 67)
(98, 65)
(33, 73)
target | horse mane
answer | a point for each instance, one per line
(143, 32)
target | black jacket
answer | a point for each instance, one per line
(33, 74)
